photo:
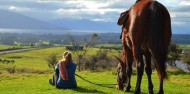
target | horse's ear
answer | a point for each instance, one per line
(118, 59)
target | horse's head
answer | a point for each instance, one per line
(122, 18)
(121, 74)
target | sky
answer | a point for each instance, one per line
(94, 10)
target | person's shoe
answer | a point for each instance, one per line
(50, 81)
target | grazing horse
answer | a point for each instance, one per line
(147, 31)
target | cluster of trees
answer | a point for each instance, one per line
(6, 61)
(28, 39)
(176, 53)
(99, 61)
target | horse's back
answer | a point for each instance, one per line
(163, 17)
(139, 21)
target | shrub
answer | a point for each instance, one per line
(7, 61)
(174, 53)
(11, 70)
(100, 61)
(52, 60)
(185, 58)
(74, 48)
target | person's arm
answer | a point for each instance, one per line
(57, 68)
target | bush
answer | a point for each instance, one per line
(185, 58)
(72, 48)
(52, 60)
(7, 61)
(11, 70)
(174, 53)
(100, 61)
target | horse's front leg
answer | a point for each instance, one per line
(129, 68)
(140, 68)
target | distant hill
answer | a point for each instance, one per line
(87, 25)
(12, 20)
(181, 38)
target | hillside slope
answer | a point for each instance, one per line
(12, 20)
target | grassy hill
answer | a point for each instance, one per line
(32, 74)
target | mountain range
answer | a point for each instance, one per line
(87, 25)
(13, 20)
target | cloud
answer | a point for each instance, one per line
(184, 3)
(21, 9)
(88, 4)
(94, 10)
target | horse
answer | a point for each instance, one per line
(147, 32)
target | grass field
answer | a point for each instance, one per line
(34, 78)
(184, 46)
(3, 47)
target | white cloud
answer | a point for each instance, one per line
(184, 3)
(88, 4)
(180, 14)
(12, 7)
(102, 20)
(86, 11)
(94, 10)
(48, 1)
(21, 9)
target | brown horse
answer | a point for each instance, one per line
(147, 31)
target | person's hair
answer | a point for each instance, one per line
(67, 56)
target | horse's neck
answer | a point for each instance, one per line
(138, 1)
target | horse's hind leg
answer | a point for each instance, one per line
(161, 91)
(148, 70)
(140, 68)
(161, 78)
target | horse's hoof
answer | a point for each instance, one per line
(160, 92)
(127, 90)
(151, 92)
(137, 92)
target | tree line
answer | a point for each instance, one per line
(101, 60)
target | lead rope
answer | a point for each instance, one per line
(103, 85)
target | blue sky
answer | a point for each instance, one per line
(94, 10)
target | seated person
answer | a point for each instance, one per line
(64, 74)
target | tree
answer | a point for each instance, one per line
(92, 41)
(174, 53)
(186, 57)
(52, 60)
(89, 42)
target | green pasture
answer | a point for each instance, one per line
(184, 46)
(35, 74)
(3, 47)
(109, 45)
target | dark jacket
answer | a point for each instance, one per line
(71, 83)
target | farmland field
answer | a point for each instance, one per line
(184, 46)
(33, 79)
(4, 47)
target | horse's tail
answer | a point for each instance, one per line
(155, 41)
